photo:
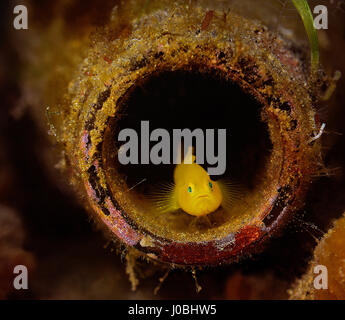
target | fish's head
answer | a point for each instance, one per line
(199, 195)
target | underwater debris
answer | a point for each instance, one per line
(100, 78)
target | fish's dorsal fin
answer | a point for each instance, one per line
(189, 158)
(179, 159)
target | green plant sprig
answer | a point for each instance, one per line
(304, 11)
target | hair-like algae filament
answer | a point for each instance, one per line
(329, 253)
(98, 73)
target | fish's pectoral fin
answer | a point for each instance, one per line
(163, 198)
(231, 192)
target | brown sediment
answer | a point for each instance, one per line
(207, 20)
(87, 104)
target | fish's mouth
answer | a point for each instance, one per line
(203, 196)
(204, 202)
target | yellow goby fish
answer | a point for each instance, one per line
(193, 191)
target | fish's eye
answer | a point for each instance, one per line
(190, 189)
(210, 185)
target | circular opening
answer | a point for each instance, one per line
(185, 99)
